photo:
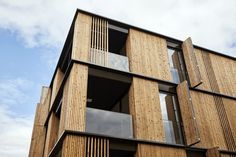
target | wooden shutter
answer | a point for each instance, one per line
(213, 152)
(191, 63)
(187, 112)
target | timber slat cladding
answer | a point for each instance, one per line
(227, 131)
(39, 131)
(74, 99)
(146, 150)
(74, 146)
(188, 115)
(52, 134)
(191, 63)
(148, 55)
(230, 108)
(213, 152)
(99, 41)
(82, 37)
(97, 147)
(225, 74)
(145, 109)
(56, 84)
(209, 124)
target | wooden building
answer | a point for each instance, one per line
(122, 91)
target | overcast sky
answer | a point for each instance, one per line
(32, 34)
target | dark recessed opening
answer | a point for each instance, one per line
(191, 153)
(117, 39)
(121, 153)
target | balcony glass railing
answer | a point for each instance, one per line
(109, 123)
(110, 60)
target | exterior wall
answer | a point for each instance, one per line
(140, 49)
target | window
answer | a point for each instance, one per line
(171, 118)
(176, 64)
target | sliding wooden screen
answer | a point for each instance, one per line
(99, 41)
(97, 147)
(188, 115)
(191, 63)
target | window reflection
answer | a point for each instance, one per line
(170, 116)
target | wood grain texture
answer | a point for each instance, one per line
(145, 109)
(75, 99)
(191, 63)
(146, 150)
(209, 124)
(213, 152)
(56, 84)
(202, 67)
(74, 146)
(225, 73)
(230, 108)
(82, 37)
(39, 131)
(148, 55)
(187, 113)
(52, 134)
(38, 136)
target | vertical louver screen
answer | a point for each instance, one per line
(99, 41)
(97, 147)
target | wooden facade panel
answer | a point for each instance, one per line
(39, 131)
(225, 73)
(74, 146)
(187, 113)
(82, 37)
(146, 150)
(145, 109)
(191, 63)
(75, 99)
(148, 55)
(208, 121)
(230, 108)
(56, 84)
(52, 134)
(205, 80)
(213, 152)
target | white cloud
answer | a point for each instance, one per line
(16, 127)
(15, 134)
(210, 23)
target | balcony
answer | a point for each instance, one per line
(108, 59)
(109, 123)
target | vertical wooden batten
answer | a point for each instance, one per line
(145, 109)
(97, 147)
(99, 41)
(82, 37)
(148, 55)
(187, 113)
(191, 63)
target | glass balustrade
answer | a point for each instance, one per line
(108, 59)
(109, 123)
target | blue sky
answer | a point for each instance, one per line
(32, 34)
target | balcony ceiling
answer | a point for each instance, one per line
(104, 93)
